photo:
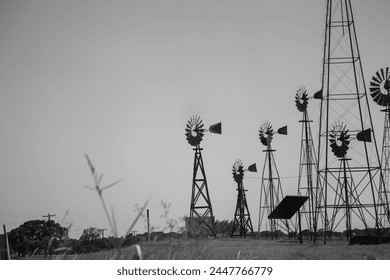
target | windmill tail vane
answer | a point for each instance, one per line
(216, 128)
(282, 130)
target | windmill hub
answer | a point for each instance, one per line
(194, 132)
(386, 85)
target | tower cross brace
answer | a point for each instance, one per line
(201, 212)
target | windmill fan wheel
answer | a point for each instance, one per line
(301, 99)
(265, 133)
(194, 130)
(380, 87)
(339, 140)
(238, 171)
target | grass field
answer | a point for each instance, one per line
(246, 249)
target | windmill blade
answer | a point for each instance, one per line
(374, 91)
(375, 85)
(383, 74)
(379, 76)
(377, 82)
(376, 97)
(386, 100)
(387, 73)
(263, 140)
(344, 147)
(375, 94)
(381, 99)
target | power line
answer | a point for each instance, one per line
(15, 214)
(284, 177)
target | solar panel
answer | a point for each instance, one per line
(288, 207)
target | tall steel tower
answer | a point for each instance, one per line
(380, 92)
(344, 99)
(307, 185)
(242, 224)
(271, 192)
(201, 211)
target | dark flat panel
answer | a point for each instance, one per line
(288, 207)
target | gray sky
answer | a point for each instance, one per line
(118, 80)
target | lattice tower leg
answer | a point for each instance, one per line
(384, 214)
(201, 212)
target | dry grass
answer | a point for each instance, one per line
(97, 179)
(262, 249)
(246, 249)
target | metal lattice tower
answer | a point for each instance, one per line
(346, 197)
(307, 168)
(201, 211)
(242, 224)
(380, 92)
(271, 192)
(344, 99)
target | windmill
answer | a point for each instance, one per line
(271, 188)
(380, 92)
(307, 167)
(344, 99)
(347, 196)
(242, 224)
(201, 212)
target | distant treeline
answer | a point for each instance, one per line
(38, 237)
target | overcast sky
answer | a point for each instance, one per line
(118, 80)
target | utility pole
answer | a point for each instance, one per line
(148, 221)
(48, 216)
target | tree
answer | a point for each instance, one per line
(91, 241)
(90, 234)
(36, 235)
(224, 228)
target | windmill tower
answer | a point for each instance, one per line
(344, 99)
(307, 167)
(380, 92)
(201, 211)
(346, 197)
(271, 188)
(242, 225)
